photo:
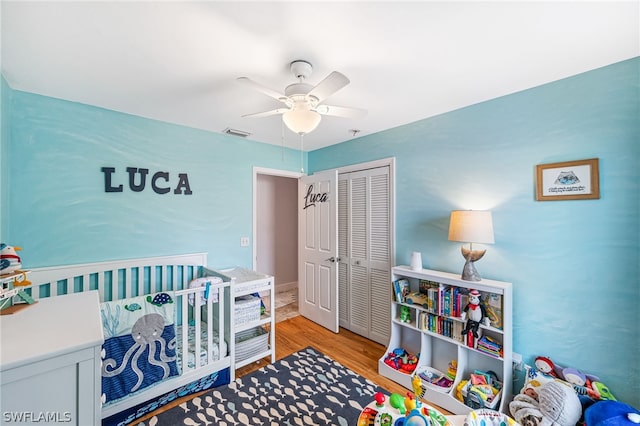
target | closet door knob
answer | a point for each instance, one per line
(331, 259)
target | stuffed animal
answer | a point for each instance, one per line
(475, 313)
(9, 259)
(611, 413)
(557, 405)
(545, 365)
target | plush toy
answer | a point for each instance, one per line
(584, 384)
(475, 313)
(557, 405)
(611, 413)
(9, 259)
(405, 314)
(545, 365)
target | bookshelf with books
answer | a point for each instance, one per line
(426, 322)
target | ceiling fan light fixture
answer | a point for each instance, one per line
(301, 121)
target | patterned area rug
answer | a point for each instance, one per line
(305, 388)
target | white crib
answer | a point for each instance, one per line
(122, 279)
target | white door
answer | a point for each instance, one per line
(317, 248)
(365, 251)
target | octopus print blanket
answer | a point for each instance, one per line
(140, 344)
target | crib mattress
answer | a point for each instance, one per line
(191, 337)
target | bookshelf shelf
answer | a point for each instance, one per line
(432, 326)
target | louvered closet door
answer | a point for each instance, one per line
(344, 301)
(365, 252)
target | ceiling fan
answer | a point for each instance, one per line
(303, 101)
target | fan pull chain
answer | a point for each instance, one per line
(302, 152)
(282, 137)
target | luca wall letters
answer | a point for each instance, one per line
(159, 181)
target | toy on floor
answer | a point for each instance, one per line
(411, 402)
(400, 411)
(397, 401)
(487, 417)
(416, 384)
(583, 384)
(611, 413)
(474, 313)
(557, 405)
(415, 418)
(379, 398)
(545, 365)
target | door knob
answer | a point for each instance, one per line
(332, 259)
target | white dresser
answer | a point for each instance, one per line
(50, 362)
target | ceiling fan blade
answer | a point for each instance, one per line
(262, 89)
(267, 113)
(341, 111)
(327, 87)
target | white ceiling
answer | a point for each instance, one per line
(178, 61)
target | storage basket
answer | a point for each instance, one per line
(475, 400)
(251, 342)
(434, 379)
(247, 309)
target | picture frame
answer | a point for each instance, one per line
(569, 180)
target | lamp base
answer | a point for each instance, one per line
(469, 272)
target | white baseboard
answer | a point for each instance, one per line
(286, 286)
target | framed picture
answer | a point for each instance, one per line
(571, 180)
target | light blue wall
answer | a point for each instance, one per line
(5, 125)
(575, 265)
(60, 213)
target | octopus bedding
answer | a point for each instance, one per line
(140, 344)
(144, 303)
(143, 345)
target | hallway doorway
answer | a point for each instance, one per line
(275, 226)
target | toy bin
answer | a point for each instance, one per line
(476, 399)
(434, 379)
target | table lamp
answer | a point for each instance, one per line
(471, 226)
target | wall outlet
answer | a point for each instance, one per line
(516, 358)
(244, 241)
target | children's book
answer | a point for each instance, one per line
(401, 289)
(493, 305)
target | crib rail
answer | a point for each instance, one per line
(211, 314)
(119, 279)
(214, 313)
(122, 279)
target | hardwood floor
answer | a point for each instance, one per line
(349, 349)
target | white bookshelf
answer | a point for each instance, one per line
(437, 350)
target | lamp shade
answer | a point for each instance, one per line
(301, 121)
(471, 226)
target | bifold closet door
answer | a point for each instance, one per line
(364, 246)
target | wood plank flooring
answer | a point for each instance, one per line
(349, 349)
